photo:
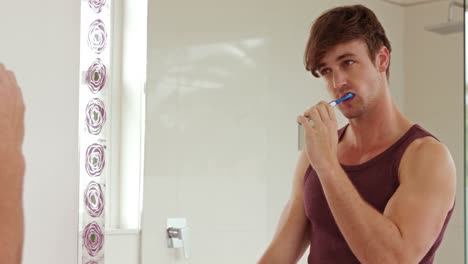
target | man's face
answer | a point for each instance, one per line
(348, 68)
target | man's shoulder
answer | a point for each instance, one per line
(426, 157)
(427, 145)
(420, 140)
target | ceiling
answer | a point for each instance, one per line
(413, 2)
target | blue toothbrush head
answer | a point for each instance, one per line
(348, 96)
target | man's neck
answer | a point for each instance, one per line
(380, 127)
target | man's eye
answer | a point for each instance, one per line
(324, 72)
(348, 62)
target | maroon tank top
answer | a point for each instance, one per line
(376, 181)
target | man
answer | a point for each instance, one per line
(12, 168)
(382, 189)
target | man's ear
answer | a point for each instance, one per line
(382, 59)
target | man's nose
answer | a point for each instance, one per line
(339, 79)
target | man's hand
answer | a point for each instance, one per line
(11, 110)
(321, 137)
(12, 168)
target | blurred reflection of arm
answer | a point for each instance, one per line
(12, 168)
(292, 234)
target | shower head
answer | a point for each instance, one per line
(450, 26)
(446, 28)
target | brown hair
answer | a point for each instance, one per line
(340, 25)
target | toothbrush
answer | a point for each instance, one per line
(342, 99)
(300, 142)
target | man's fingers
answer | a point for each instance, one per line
(322, 111)
(12, 78)
(305, 122)
(331, 112)
(315, 116)
(309, 122)
(12, 106)
(15, 85)
(4, 77)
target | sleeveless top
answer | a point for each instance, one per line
(376, 180)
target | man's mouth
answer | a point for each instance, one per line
(350, 98)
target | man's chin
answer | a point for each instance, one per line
(352, 115)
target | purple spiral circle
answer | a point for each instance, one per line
(96, 5)
(95, 116)
(96, 76)
(97, 36)
(95, 160)
(93, 238)
(94, 199)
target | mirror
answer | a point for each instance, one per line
(224, 84)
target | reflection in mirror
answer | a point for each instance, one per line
(224, 85)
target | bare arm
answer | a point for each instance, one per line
(11, 168)
(413, 216)
(292, 234)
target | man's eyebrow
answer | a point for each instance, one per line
(345, 55)
(348, 54)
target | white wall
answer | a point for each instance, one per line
(434, 98)
(122, 247)
(40, 41)
(225, 83)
